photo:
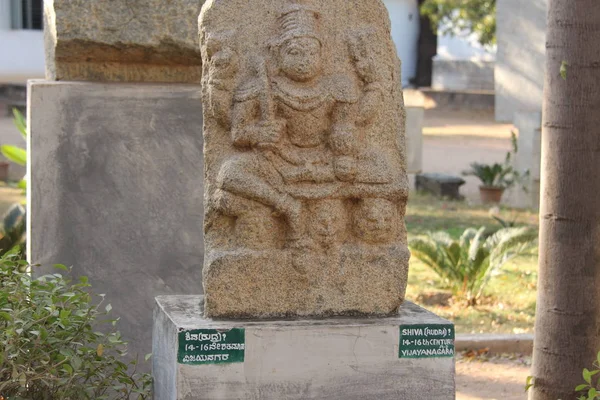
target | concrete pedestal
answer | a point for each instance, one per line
(116, 190)
(408, 356)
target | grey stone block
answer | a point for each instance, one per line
(116, 189)
(440, 185)
(462, 74)
(338, 358)
(496, 343)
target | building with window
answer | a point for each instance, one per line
(22, 46)
(21, 41)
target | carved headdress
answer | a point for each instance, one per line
(298, 21)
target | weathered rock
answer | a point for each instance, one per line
(123, 40)
(440, 185)
(305, 177)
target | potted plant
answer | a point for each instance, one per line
(496, 178)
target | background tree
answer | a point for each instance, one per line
(567, 329)
(464, 17)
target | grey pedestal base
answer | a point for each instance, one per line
(337, 358)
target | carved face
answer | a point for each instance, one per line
(373, 220)
(327, 221)
(300, 58)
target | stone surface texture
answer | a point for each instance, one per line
(336, 358)
(305, 175)
(116, 192)
(123, 40)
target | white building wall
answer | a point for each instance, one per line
(404, 15)
(21, 51)
(521, 61)
(463, 48)
(463, 64)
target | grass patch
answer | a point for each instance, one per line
(508, 305)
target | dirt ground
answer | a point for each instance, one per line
(501, 379)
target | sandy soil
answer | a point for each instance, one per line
(499, 380)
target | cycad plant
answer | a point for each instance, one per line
(467, 264)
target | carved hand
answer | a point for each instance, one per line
(345, 168)
(342, 140)
(270, 132)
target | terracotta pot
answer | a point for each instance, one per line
(4, 171)
(490, 194)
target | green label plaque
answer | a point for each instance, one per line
(426, 341)
(211, 346)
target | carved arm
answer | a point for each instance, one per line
(247, 131)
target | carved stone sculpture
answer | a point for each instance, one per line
(305, 180)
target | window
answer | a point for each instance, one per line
(27, 14)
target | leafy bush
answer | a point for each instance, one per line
(12, 231)
(467, 264)
(18, 155)
(591, 389)
(464, 17)
(13, 222)
(49, 348)
(492, 175)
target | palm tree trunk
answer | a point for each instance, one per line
(567, 331)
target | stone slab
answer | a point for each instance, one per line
(338, 358)
(123, 40)
(496, 343)
(440, 185)
(116, 191)
(462, 75)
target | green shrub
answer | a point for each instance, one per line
(467, 264)
(49, 346)
(590, 389)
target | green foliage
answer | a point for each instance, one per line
(563, 69)
(590, 389)
(13, 231)
(49, 346)
(460, 17)
(467, 264)
(18, 155)
(492, 175)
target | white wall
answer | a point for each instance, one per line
(404, 15)
(520, 67)
(463, 48)
(21, 51)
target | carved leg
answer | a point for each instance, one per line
(253, 179)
